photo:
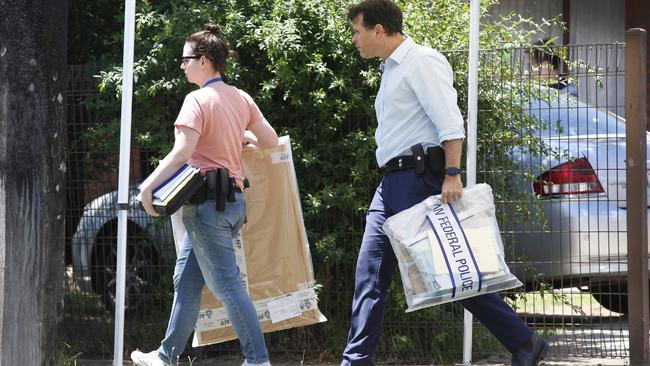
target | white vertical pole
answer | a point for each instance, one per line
(472, 110)
(123, 182)
(472, 100)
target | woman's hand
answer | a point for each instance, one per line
(145, 196)
(249, 138)
(186, 140)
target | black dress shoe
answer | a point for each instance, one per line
(531, 352)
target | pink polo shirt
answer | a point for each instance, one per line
(220, 113)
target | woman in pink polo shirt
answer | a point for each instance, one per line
(209, 131)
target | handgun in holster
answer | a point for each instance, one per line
(436, 160)
(231, 189)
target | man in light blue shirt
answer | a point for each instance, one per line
(416, 89)
(416, 112)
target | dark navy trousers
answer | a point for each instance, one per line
(377, 262)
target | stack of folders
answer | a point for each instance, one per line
(177, 190)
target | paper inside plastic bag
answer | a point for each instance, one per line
(449, 252)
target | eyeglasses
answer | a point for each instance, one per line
(186, 59)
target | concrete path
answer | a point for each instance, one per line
(573, 361)
(596, 340)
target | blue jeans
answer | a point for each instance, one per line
(208, 257)
(377, 262)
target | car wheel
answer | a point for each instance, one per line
(612, 296)
(142, 265)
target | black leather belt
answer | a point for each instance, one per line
(401, 163)
(217, 185)
(434, 158)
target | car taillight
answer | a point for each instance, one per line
(574, 177)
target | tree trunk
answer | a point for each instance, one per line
(33, 47)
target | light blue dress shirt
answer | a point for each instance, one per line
(416, 102)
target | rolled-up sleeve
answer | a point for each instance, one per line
(191, 114)
(433, 84)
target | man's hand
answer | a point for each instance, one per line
(452, 189)
(146, 198)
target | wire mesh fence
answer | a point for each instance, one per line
(559, 191)
(91, 237)
(567, 234)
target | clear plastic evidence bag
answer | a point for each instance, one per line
(448, 252)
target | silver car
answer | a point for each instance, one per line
(94, 243)
(580, 239)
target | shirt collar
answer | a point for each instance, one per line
(400, 52)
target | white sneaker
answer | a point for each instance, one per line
(147, 359)
(246, 363)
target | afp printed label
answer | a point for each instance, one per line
(461, 264)
(240, 258)
(284, 308)
(273, 309)
(280, 157)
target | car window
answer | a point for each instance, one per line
(564, 115)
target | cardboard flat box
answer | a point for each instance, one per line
(272, 251)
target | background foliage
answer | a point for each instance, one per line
(297, 61)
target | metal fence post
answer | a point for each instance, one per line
(637, 180)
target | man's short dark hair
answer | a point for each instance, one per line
(384, 12)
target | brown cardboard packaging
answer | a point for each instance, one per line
(272, 251)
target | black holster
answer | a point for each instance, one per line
(217, 186)
(436, 160)
(435, 157)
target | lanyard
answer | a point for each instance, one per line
(215, 80)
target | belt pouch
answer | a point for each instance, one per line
(211, 184)
(436, 160)
(201, 193)
(418, 156)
